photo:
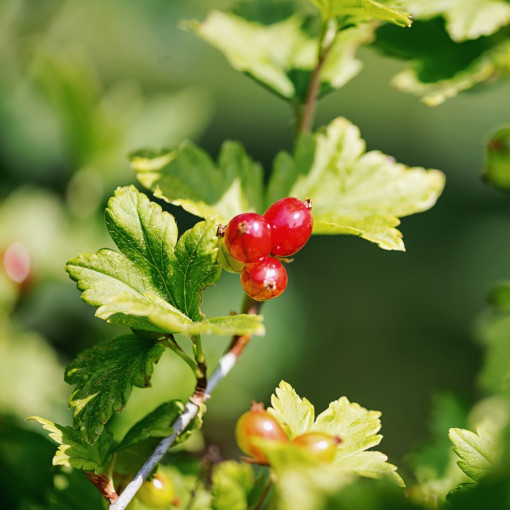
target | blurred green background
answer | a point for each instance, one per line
(84, 83)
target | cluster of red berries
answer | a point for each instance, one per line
(258, 424)
(258, 241)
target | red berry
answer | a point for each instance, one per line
(264, 279)
(248, 237)
(258, 424)
(291, 225)
(321, 445)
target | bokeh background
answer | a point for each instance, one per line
(84, 83)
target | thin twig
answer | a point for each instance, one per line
(227, 361)
(306, 112)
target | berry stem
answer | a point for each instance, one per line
(306, 112)
(225, 364)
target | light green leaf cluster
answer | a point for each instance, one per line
(283, 55)
(465, 19)
(477, 451)
(353, 191)
(355, 425)
(73, 451)
(155, 282)
(363, 9)
(104, 377)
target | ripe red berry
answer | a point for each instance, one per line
(264, 279)
(321, 445)
(291, 225)
(258, 424)
(248, 237)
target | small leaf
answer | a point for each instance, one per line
(476, 451)
(231, 485)
(363, 9)
(74, 451)
(370, 465)
(356, 426)
(296, 415)
(104, 377)
(158, 423)
(187, 176)
(282, 55)
(465, 20)
(353, 191)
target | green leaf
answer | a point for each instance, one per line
(187, 176)
(476, 451)
(441, 68)
(232, 483)
(104, 377)
(295, 414)
(355, 425)
(167, 318)
(370, 465)
(283, 55)
(155, 283)
(158, 423)
(353, 191)
(464, 20)
(363, 9)
(151, 267)
(74, 451)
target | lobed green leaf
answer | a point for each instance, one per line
(155, 282)
(74, 451)
(294, 413)
(356, 426)
(353, 191)
(441, 67)
(104, 376)
(477, 451)
(282, 55)
(464, 20)
(187, 176)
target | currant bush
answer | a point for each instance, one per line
(265, 279)
(257, 423)
(248, 237)
(291, 225)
